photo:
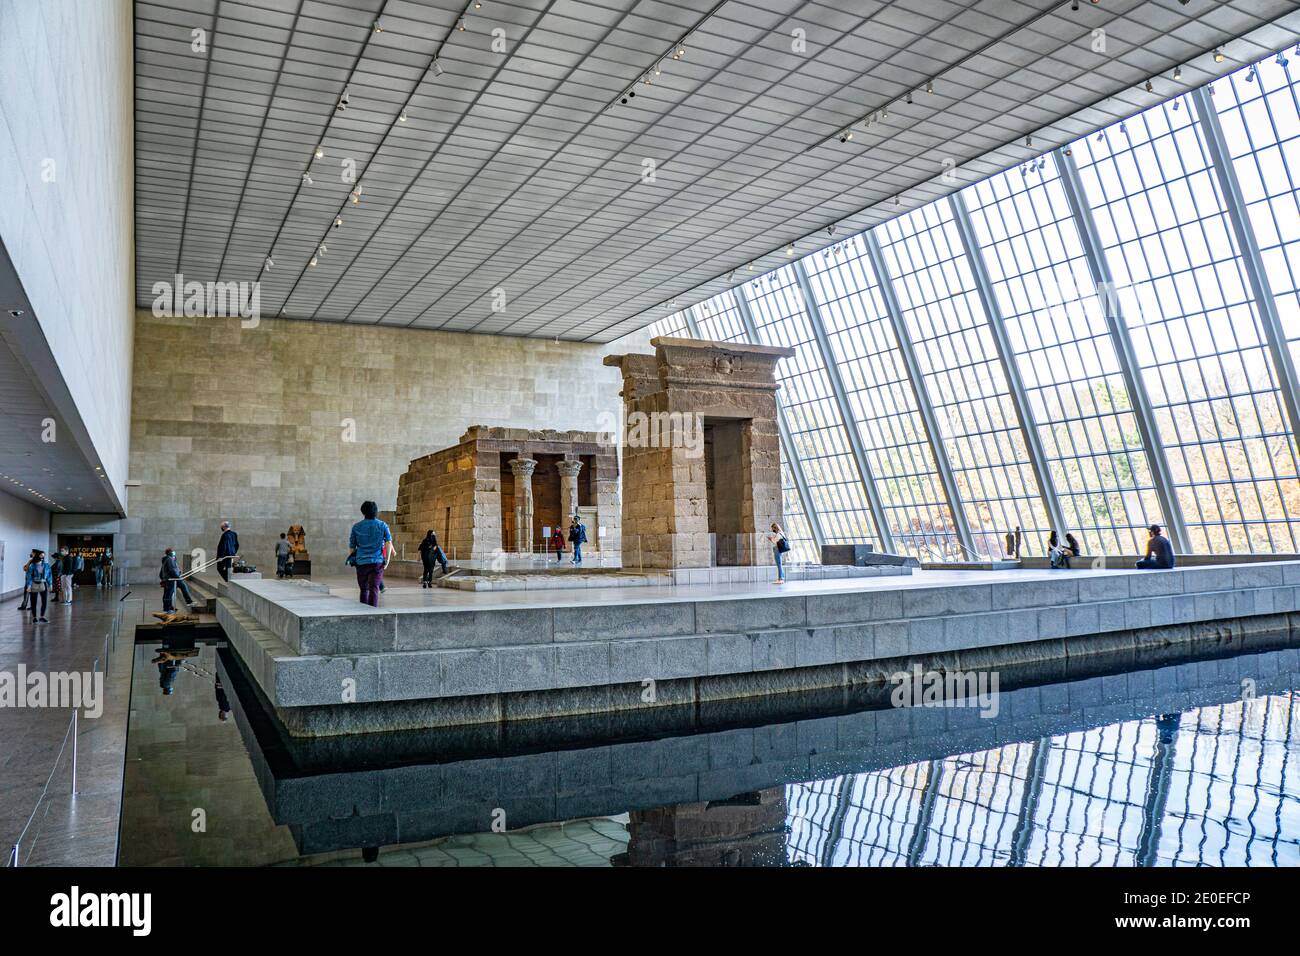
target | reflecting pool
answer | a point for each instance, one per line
(1114, 761)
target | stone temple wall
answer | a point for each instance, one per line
(457, 491)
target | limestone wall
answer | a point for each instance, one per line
(298, 422)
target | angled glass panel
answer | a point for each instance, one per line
(812, 413)
(1066, 358)
(964, 378)
(865, 349)
(1195, 329)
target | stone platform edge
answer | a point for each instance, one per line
(611, 673)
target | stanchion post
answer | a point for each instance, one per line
(74, 751)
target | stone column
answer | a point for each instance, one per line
(568, 489)
(523, 469)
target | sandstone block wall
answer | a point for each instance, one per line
(299, 422)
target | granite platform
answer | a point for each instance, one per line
(435, 657)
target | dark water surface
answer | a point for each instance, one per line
(1120, 761)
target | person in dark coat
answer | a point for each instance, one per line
(227, 548)
(431, 553)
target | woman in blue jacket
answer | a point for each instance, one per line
(40, 580)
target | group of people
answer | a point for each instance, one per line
(576, 537)
(42, 577)
(1159, 553)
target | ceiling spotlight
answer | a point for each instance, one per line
(343, 102)
(830, 230)
(929, 86)
(266, 266)
(461, 25)
(731, 275)
(789, 250)
(1281, 60)
(1218, 55)
(16, 313)
(1149, 88)
(321, 249)
(1211, 89)
(437, 67)
(1068, 151)
(306, 179)
(1029, 141)
(1178, 73)
(1074, 5)
(751, 267)
(402, 118)
(885, 113)
(646, 79)
(623, 99)
(909, 97)
(659, 68)
(320, 152)
(356, 195)
(477, 5)
(1178, 104)
(338, 222)
(897, 201)
(379, 27)
(681, 52)
(1101, 136)
(1250, 76)
(312, 262)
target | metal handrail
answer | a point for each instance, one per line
(204, 567)
(15, 852)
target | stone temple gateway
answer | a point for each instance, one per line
(701, 453)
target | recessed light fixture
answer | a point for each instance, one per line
(16, 313)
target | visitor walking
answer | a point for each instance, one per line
(282, 552)
(557, 543)
(227, 548)
(431, 552)
(776, 538)
(371, 548)
(106, 562)
(577, 538)
(39, 581)
(27, 594)
(1160, 553)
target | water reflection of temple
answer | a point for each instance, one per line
(748, 829)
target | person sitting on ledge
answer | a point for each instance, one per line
(1160, 553)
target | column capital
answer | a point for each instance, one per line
(523, 467)
(568, 468)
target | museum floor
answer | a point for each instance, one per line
(401, 592)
